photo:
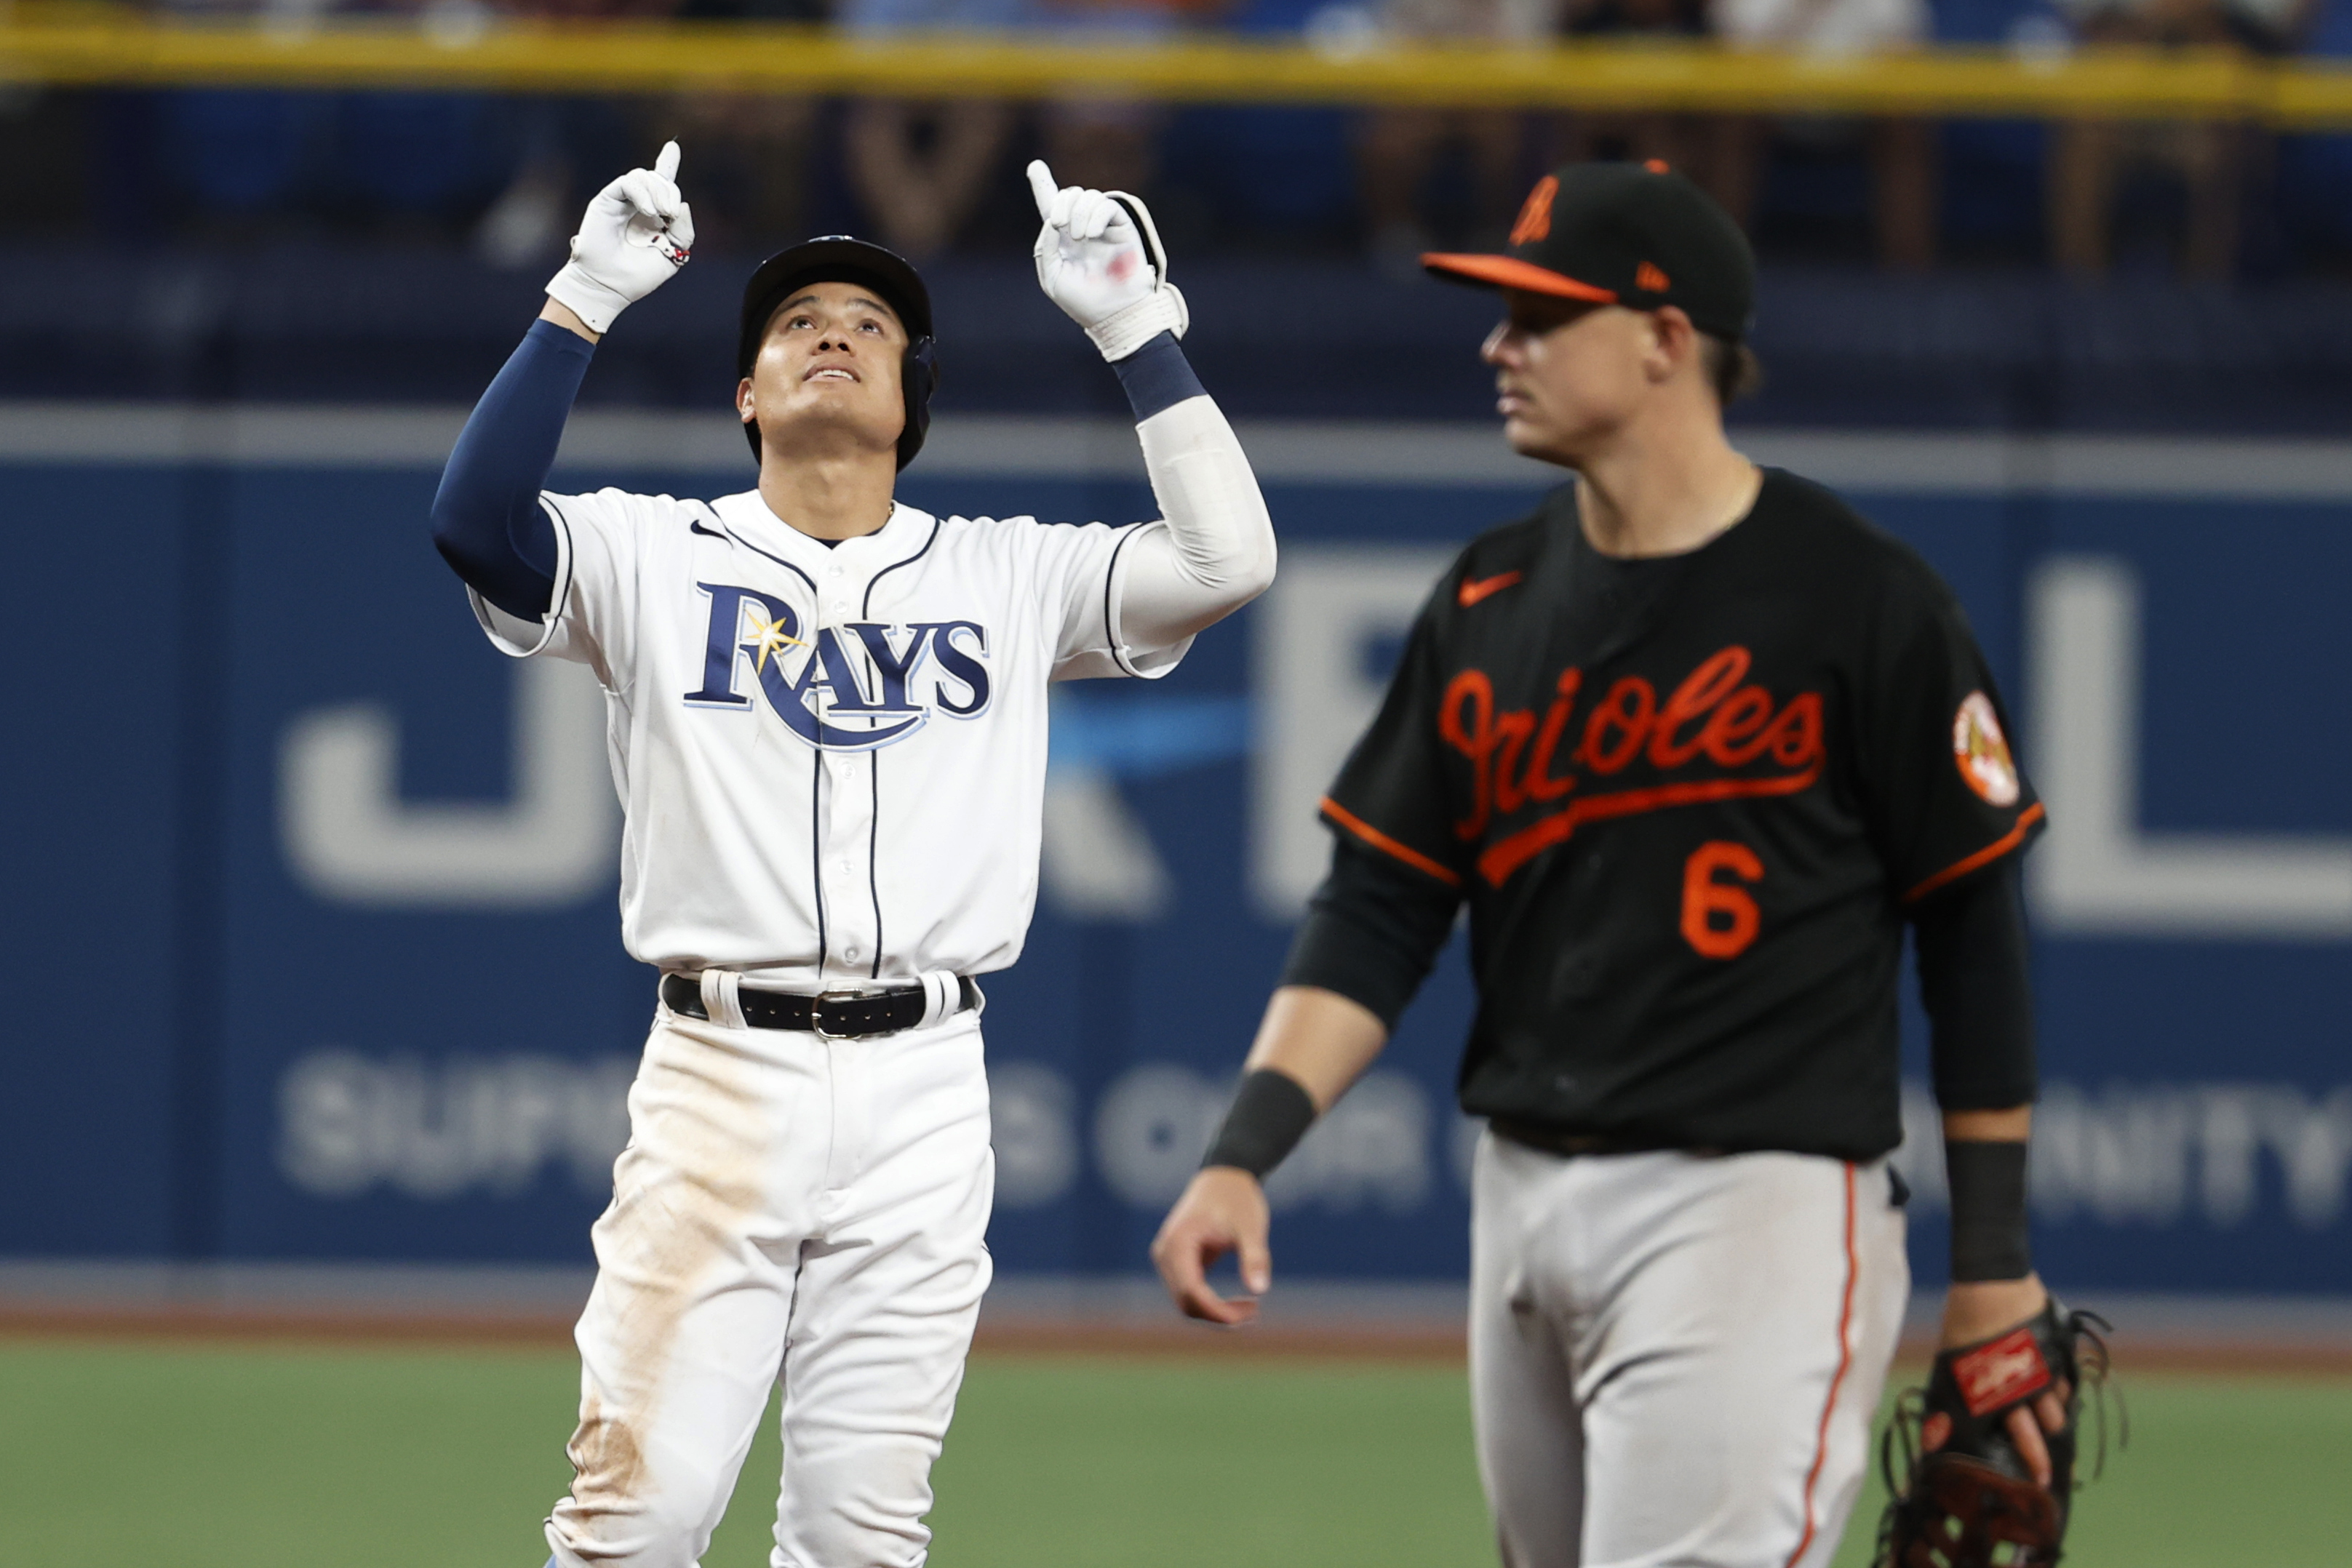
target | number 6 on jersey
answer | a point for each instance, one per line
(1705, 901)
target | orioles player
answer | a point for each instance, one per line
(827, 725)
(1693, 743)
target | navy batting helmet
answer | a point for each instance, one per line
(838, 258)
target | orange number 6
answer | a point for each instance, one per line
(1707, 902)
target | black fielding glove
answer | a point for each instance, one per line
(1973, 1502)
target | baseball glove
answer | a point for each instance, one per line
(1973, 1503)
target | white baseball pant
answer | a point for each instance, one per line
(789, 1209)
(1675, 1358)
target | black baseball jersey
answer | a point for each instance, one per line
(1687, 799)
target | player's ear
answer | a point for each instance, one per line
(744, 408)
(1673, 343)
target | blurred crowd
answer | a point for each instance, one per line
(506, 174)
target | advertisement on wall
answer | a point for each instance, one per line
(327, 885)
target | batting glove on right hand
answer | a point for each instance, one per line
(1101, 260)
(637, 231)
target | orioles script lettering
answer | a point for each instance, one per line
(1712, 724)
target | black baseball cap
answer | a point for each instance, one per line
(833, 258)
(1636, 234)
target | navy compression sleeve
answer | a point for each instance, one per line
(1970, 940)
(1158, 376)
(487, 523)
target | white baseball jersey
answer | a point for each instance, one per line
(832, 759)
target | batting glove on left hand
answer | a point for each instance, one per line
(636, 232)
(1101, 260)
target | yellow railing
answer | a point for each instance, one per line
(461, 49)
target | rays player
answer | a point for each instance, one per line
(827, 725)
(1695, 743)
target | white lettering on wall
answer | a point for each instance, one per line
(349, 1123)
(2158, 1154)
(1316, 692)
(1152, 1127)
(2136, 1155)
(350, 838)
(1033, 1128)
(2100, 874)
(1372, 1149)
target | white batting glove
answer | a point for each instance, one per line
(637, 231)
(1101, 260)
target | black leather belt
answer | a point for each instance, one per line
(1557, 1141)
(835, 1015)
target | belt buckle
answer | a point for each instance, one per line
(816, 1012)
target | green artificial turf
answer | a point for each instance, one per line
(256, 1457)
(1178, 1464)
(120, 1455)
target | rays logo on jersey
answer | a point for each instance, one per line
(844, 688)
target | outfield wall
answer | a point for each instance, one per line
(312, 893)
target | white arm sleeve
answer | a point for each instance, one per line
(1217, 554)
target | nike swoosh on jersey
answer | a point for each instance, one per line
(1471, 593)
(694, 527)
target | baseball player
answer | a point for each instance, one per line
(1695, 743)
(827, 726)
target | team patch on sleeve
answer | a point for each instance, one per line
(1998, 1374)
(1982, 752)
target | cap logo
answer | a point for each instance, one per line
(1649, 280)
(1535, 217)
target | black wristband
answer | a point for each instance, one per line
(1989, 1238)
(1270, 1113)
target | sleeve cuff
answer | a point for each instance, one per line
(1372, 837)
(518, 636)
(1143, 663)
(2027, 821)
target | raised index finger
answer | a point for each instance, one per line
(666, 165)
(1041, 187)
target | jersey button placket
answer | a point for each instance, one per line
(848, 792)
(848, 818)
(848, 828)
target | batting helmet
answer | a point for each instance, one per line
(838, 258)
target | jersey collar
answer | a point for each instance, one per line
(748, 515)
